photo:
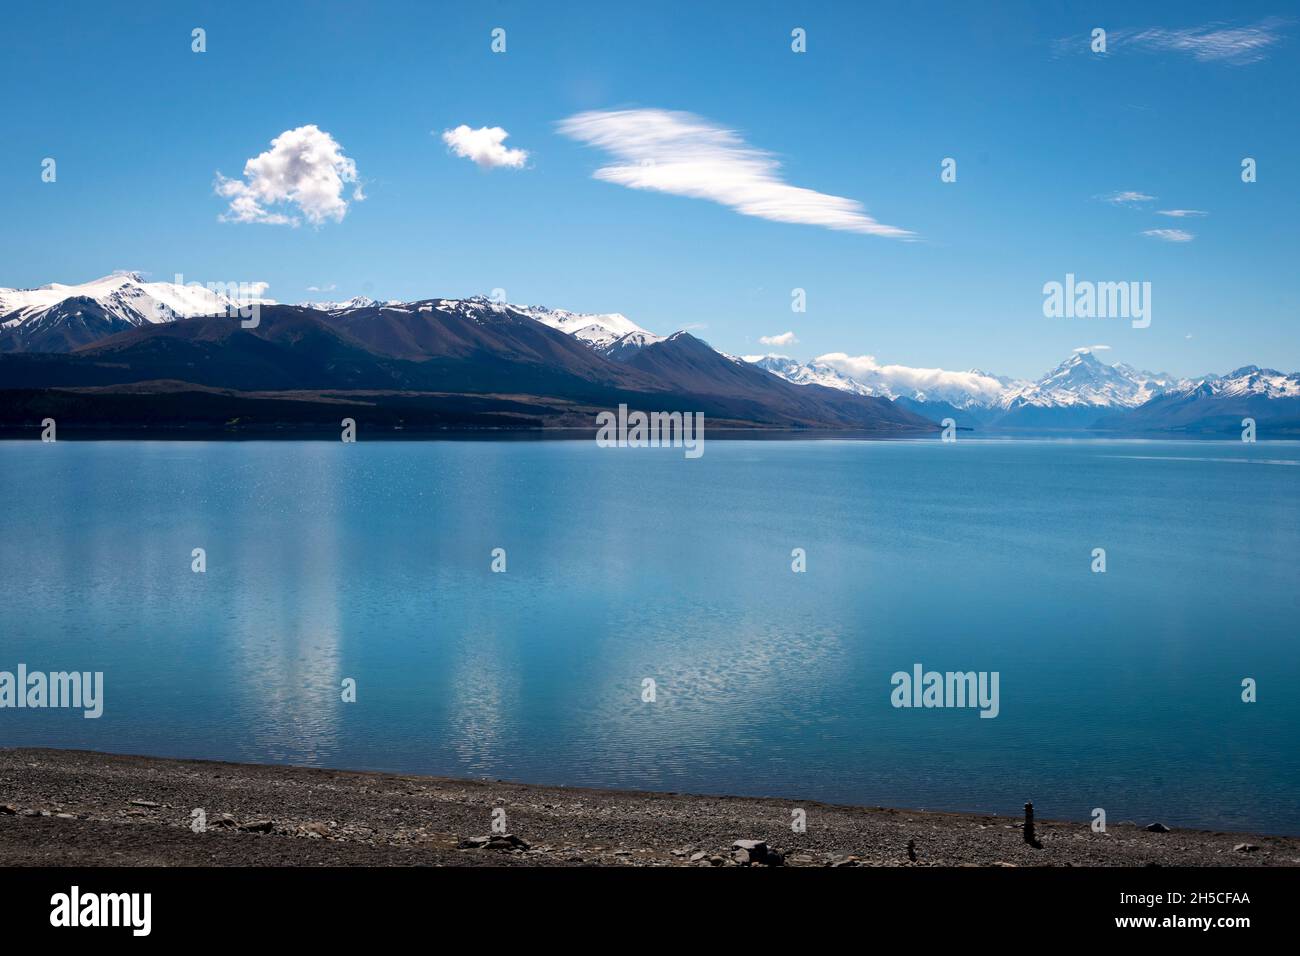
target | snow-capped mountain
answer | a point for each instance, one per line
(58, 317)
(627, 345)
(1083, 380)
(812, 373)
(1249, 380)
(1217, 406)
(600, 331)
(958, 390)
(610, 334)
(1080, 381)
(356, 302)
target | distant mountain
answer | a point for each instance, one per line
(961, 391)
(59, 318)
(1075, 394)
(967, 416)
(1215, 406)
(1248, 381)
(1082, 380)
(1080, 393)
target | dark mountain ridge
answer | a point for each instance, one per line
(440, 347)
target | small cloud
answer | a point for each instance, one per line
(1182, 213)
(686, 155)
(1211, 42)
(484, 147)
(1128, 197)
(1092, 348)
(695, 326)
(305, 167)
(321, 288)
(1169, 235)
(780, 341)
(1188, 335)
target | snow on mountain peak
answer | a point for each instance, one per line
(812, 373)
(125, 298)
(1246, 381)
(566, 321)
(1084, 380)
(1081, 380)
(356, 302)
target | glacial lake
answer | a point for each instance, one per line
(373, 561)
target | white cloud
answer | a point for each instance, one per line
(903, 378)
(1128, 197)
(321, 288)
(1170, 235)
(1236, 45)
(1182, 213)
(305, 167)
(682, 154)
(1092, 348)
(780, 341)
(484, 146)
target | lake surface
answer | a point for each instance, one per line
(372, 561)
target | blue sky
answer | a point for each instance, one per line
(1040, 127)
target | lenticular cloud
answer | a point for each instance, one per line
(682, 154)
(304, 168)
(866, 369)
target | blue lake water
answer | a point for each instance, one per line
(372, 561)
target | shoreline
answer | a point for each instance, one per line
(330, 434)
(85, 808)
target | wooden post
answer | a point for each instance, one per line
(1030, 838)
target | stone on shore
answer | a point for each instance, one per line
(749, 852)
(497, 841)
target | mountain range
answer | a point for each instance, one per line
(124, 352)
(1080, 393)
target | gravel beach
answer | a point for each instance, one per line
(77, 808)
